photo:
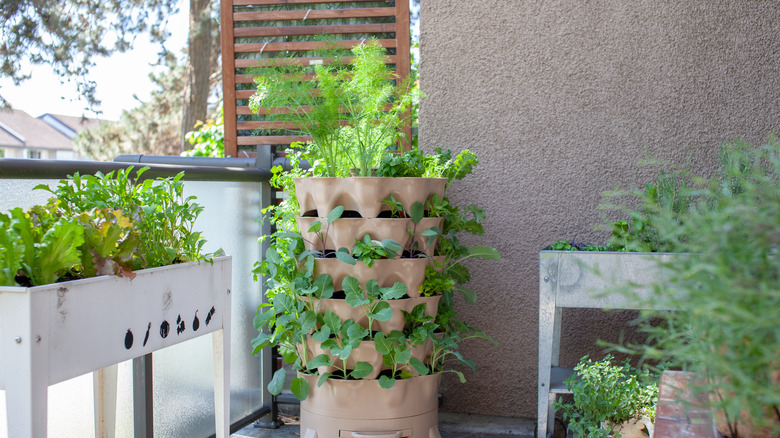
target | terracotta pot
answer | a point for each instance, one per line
(366, 352)
(318, 196)
(344, 232)
(345, 311)
(410, 272)
(361, 408)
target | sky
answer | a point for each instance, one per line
(118, 78)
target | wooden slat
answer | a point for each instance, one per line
(245, 110)
(228, 85)
(403, 67)
(302, 46)
(230, 17)
(250, 79)
(288, 2)
(271, 140)
(266, 124)
(254, 62)
(244, 94)
(314, 14)
(277, 31)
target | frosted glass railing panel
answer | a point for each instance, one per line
(183, 374)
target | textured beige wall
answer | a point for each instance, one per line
(560, 100)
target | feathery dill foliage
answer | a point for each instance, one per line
(351, 110)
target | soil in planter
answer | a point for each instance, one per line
(350, 214)
(388, 214)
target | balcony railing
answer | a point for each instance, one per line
(233, 192)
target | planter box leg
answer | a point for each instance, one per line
(26, 362)
(26, 405)
(104, 390)
(221, 341)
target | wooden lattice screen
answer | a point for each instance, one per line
(255, 32)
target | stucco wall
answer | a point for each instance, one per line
(561, 100)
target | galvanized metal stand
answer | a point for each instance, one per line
(571, 279)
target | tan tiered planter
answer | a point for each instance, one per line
(366, 352)
(361, 408)
(344, 232)
(345, 311)
(318, 196)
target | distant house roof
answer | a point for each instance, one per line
(22, 130)
(69, 125)
(49, 131)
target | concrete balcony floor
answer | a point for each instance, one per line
(451, 425)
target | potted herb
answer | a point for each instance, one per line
(610, 400)
(106, 271)
(361, 272)
(726, 292)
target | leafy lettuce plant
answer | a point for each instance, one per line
(97, 225)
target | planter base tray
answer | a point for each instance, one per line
(321, 426)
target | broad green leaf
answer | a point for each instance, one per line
(261, 319)
(260, 342)
(419, 366)
(484, 252)
(342, 352)
(431, 232)
(469, 295)
(307, 253)
(307, 320)
(383, 346)
(332, 321)
(418, 211)
(290, 357)
(362, 369)
(355, 334)
(335, 214)
(299, 388)
(315, 227)
(323, 378)
(386, 382)
(403, 356)
(322, 335)
(282, 303)
(276, 385)
(394, 292)
(344, 255)
(381, 312)
(324, 285)
(372, 289)
(392, 246)
(460, 376)
(320, 361)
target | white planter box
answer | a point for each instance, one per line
(52, 333)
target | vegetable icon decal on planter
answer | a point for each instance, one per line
(165, 328)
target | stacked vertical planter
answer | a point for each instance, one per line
(362, 407)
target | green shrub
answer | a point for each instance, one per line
(726, 287)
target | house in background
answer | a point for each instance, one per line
(46, 137)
